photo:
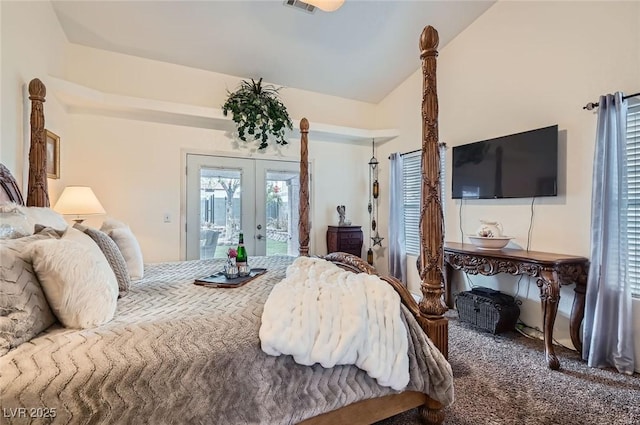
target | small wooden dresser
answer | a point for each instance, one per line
(347, 239)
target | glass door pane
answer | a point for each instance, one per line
(222, 199)
(220, 203)
(220, 206)
(279, 218)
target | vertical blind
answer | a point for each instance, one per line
(411, 180)
(633, 163)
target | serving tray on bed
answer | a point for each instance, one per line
(219, 280)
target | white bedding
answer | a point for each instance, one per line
(323, 314)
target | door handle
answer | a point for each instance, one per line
(259, 236)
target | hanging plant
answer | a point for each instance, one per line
(259, 113)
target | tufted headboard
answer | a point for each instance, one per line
(9, 189)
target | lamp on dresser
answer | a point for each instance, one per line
(78, 201)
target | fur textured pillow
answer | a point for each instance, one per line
(24, 311)
(79, 285)
(112, 254)
(76, 235)
(128, 245)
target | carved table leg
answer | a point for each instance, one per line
(448, 300)
(550, 296)
(577, 314)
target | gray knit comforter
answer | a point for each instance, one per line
(178, 353)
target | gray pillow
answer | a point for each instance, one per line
(128, 246)
(113, 255)
(24, 311)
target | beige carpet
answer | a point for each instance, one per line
(503, 379)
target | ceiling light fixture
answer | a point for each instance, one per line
(326, 5)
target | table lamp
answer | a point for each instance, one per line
(78, 201)
(326, 5)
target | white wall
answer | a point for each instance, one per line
(133, 76)
(520, 66)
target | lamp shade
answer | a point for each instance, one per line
(78, 201)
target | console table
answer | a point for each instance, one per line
(551, 271)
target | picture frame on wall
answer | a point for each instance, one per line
(53, 154)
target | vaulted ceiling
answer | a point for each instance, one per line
(361, 51)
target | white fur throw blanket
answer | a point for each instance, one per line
(323, 314)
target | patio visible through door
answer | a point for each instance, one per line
(227, 195)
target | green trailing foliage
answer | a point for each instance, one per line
(259, 113)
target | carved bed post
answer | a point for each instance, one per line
(303, 221)
(37, 191)
(431, 261)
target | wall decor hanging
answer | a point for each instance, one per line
(374, 193)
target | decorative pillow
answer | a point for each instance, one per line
(24, 311)
(9, 207)
(84, 240)
(76, 234)
(80, 286)
(57, 233)
(110, 224)
(38, 215)
(112, 254)
(14, 224)
(128, 245)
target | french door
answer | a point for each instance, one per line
(228, 195)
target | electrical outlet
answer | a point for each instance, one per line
(166, 218)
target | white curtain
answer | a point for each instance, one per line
(608, 322)
(397, 252)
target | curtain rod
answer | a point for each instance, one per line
(407, 153)
(418, 150)
(589, 106)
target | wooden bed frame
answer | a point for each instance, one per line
(428, 312)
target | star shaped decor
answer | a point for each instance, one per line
(377, 240)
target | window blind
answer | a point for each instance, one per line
(411, 184)
(633, 214)
(411, 180)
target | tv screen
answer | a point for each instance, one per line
(522, 165)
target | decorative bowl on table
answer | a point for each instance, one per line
(496, 242)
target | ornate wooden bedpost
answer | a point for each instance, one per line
(37, 191)
(431, 262)
(303, 221)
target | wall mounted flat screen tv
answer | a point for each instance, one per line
(522, 165)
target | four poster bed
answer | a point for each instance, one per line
(174, 352)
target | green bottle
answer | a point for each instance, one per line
(241, 257)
